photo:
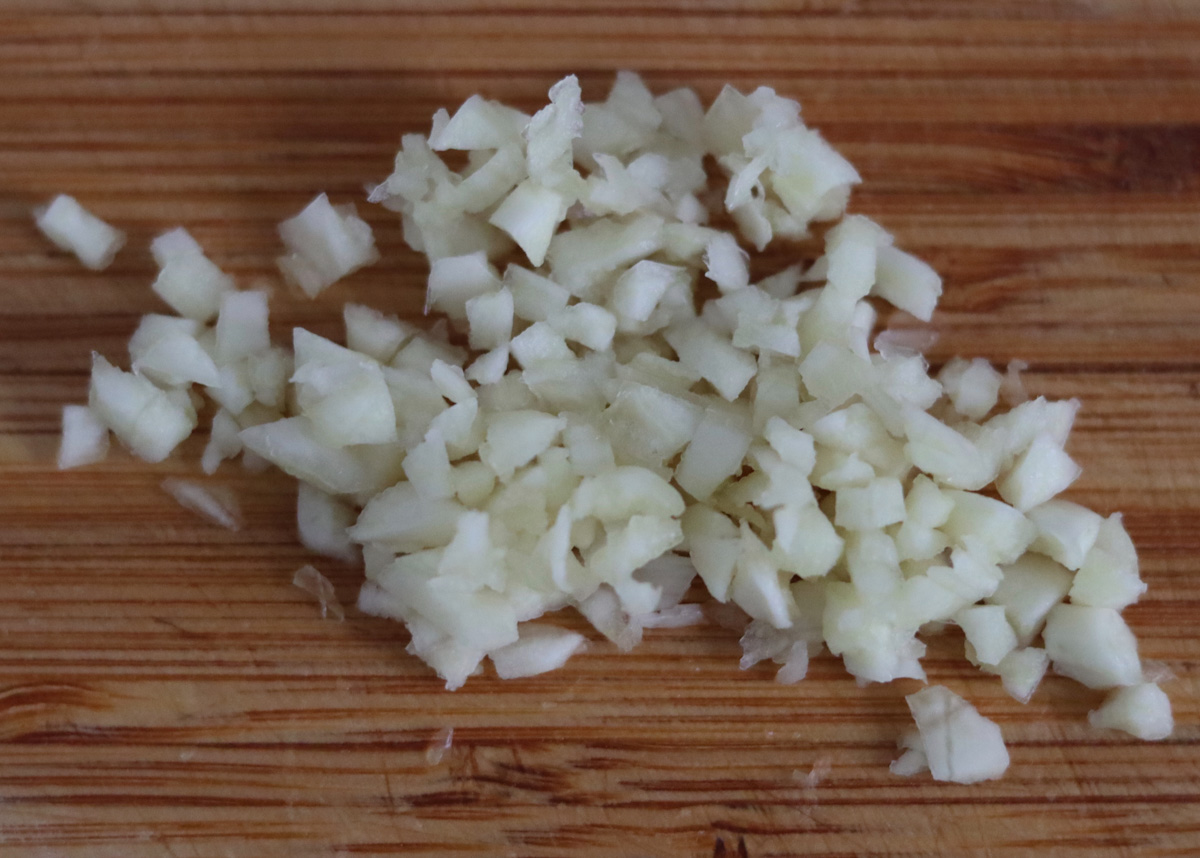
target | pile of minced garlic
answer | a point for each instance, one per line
(580, 430)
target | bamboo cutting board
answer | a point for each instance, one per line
(164, 691)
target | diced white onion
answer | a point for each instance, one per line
(218, 504)
(539, 649)
(73, 228)
(600, 421)
(84, 438)
(319, 587)
(325, 243)
(959, 744)
(1141, 710)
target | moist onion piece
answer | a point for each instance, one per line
(605, 421)
(959, 744)
(216, 503)
(84, 438)
(308, 579)
(73, 228)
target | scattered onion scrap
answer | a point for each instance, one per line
(311, 581)
(217, 504)
(73, 228)
(607, 436)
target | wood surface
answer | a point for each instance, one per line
(165, 691)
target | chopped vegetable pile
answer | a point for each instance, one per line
(611, 407)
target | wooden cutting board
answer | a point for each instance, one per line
(165, 691)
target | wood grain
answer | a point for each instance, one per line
(164, 691)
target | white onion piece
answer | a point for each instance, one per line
(323, 523)
(1041, 472)
(1141, 710)
(242, 325)
(541, 648)
(988, 632)
(84, 438)
(603, 610)
(478, 124)
(674, 617)
(441, 742)
(187, 279)
(293, 446)
(319, 587)
(795, 665)
(1092, 646)
(372, 333)
(714, 454)
(1066, 531)
(1022, 670)
(531, 214)
(1028, 590)
(224, 441)
(218, 504)
(1108, 576)
(959, 744)
(325, 243)
(73, 228)
(973, 386)
(726, 263)
(906, 282)
(913, 761)
(1012, 389)
(149, 421)
(166, 350)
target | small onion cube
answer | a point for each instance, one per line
(151, 422)
(1021, 672)
(1092, 646)
(714, 454)
(1027, 592)
(242, 325)
(960, 745)
(1142, 710)
(988, 632)
(1109, 575)
(73, 228)
(1043, 471)
(540, 648)
(531, 215)
(84, 438)
(1066, 531)
(323, 522)
(325, 243)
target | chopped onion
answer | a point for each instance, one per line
(323, 523)
(540, 648)
(318, 586)
(84, 438)
(1022, 670)
(1108, 576)
(1092, 646)
(218, 504)
(325, 243)
(188, 280)
(958, 743)
(603, 421)
(150, 421)
(1141, 710)
(73, 228)
(439, 745)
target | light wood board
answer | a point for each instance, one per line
(165, 691)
